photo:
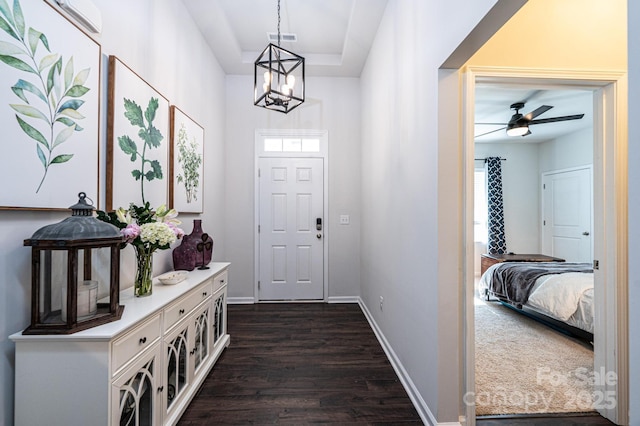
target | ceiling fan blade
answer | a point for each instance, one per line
(531, 95)
(490, 124)
(536, 112)
(556, 119)
(487, 133)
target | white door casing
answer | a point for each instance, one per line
(294, 146)
(291, 229)
(567, 214)
(610, 235)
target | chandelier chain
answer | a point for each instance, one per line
(278, 23)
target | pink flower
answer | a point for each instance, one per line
(178, 231)
(131, 232)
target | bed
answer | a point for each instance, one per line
(559, 294)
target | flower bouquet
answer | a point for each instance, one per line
(147, 231)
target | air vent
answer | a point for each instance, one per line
(289, 37)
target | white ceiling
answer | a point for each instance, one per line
(492, 106)
(334, 36)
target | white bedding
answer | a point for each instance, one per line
(566, 297)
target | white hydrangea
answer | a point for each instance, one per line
(157, 233)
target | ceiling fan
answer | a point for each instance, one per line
(519, 124)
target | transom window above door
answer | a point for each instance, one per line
(292, 145)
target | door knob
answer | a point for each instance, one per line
(585, 233)
(318, 235)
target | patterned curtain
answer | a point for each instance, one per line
(496, 239)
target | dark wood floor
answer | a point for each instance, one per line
(299, 364)
(541, 420)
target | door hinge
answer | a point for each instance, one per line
(596, 264)
(258, 172)
(258, 285)
(544, 186)
(544, 223)
(258, 229)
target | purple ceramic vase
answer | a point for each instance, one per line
(194, 249)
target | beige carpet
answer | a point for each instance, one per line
(525, 367)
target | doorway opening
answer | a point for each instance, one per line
(531, 207)
(609, 199)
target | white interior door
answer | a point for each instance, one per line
(291, 252)
(567, 215)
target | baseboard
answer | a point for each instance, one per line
(251, 300)
(421, 406)
(240, 300)
(344, 299)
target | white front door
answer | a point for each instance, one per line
(567, 215)
(291, 228)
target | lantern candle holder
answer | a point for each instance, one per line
(69, 261)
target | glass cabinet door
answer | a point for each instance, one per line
(135, 392)
(201, 335)
(176, 366)
(218, 318)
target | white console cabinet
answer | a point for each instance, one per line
(143, 369)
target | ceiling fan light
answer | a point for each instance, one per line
(517, 130)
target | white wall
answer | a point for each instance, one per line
(634, 212)
(401, 212)
(573, 150)
(156, 38)
(331, 104)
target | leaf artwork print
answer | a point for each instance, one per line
(190, 160)
(151, 138)
(50, 95)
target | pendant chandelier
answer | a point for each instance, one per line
(278, 77)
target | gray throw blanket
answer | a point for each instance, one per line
(513, 281)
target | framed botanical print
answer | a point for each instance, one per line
(186, 157)
(137, 140)
(49, 108)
